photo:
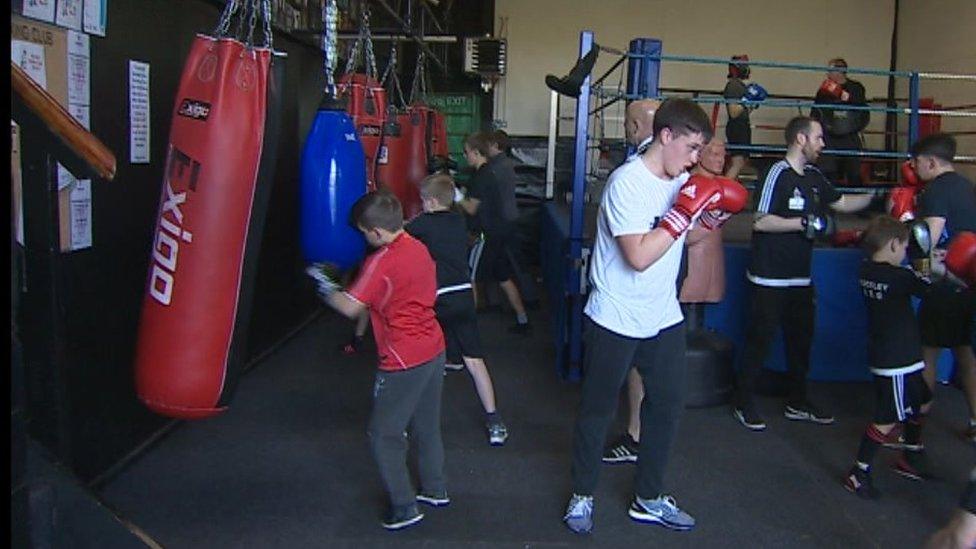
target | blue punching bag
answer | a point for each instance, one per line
(333, 177)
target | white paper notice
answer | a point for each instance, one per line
(96, 13)
(79, 69)
(39, 9)
(30, 57)
(138, 112)
(81, 213)
(81, 114)
(69, 14)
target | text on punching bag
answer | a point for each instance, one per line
(170, 231)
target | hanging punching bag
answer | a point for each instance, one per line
(366, 103)
(216, 184)
(414, 163)
(390, 166)
(333, 177)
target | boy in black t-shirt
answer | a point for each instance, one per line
(948, 314)
(894, 354)
(443, 231)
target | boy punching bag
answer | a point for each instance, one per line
(216, 184)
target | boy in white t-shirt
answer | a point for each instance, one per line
(633, 317)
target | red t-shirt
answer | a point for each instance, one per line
(398, 283)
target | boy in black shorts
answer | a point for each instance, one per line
(443, 231)
(894, 354)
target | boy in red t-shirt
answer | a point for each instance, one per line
(398, 285)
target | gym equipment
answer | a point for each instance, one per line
(217, 180)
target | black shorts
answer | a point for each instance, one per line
(738, 132)
(945, 316)
(456, 315)
(496, 259)
(899, 397)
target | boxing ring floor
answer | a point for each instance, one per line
(288, 465)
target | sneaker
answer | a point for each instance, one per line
(579, 514)
(497, 433)
(806, 411)
(663, 510)
(895, 440)
(402, 516)
(453, 366)
(625, 450)
(749, 417)
(859, 483)
(913, 465)
(520, 328)
(436, 499)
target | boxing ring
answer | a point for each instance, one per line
(839, 350)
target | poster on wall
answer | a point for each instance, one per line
(95, 16)
(138, 112)
(81, 215)
(79, 76)
(39, 9)
(30, 57)
(69, 14)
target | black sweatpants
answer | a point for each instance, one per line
(833, 167)
(789, 309)
(660, 360)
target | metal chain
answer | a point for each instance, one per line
(251, 22)
(268, 36)
(368, 36)
(230, 8)
(391, 71)
(353, 56)
(330, 25)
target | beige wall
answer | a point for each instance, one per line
(938, 36)
(543, 37)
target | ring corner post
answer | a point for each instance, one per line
(914, 90)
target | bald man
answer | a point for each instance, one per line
(639, 122)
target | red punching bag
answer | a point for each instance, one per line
(366, 103)
(414, 162)
(216, 184)
(391, 166)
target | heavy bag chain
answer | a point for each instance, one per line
(391, 72)
(365, 39)
(250, 11)
(330, 25)
(419, 86)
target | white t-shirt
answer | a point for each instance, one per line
(623, 300)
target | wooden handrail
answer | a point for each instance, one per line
(60, 122)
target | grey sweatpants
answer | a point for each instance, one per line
(401, 399)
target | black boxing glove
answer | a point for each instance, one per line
(817, 226)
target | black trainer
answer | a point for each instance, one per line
(749, 417)
(402, 516)
(623, 450)
(913, 465)
(859, 483)
(807, 411)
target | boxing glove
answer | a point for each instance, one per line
(833, 89)
(325, 276)
(755, 92)
(733, 200)
(694, 196)
(817, 225)
(960, 258)
(909, 176)
(846, 237)
(901, 203)
(919, 246)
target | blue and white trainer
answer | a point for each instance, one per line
(579, 514)
(663, 510)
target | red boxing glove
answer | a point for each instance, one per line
(694, 196)
(834, 90)
(901, 203)
(960, 258)
(846, 237)
(733, 200)
(908, 175)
